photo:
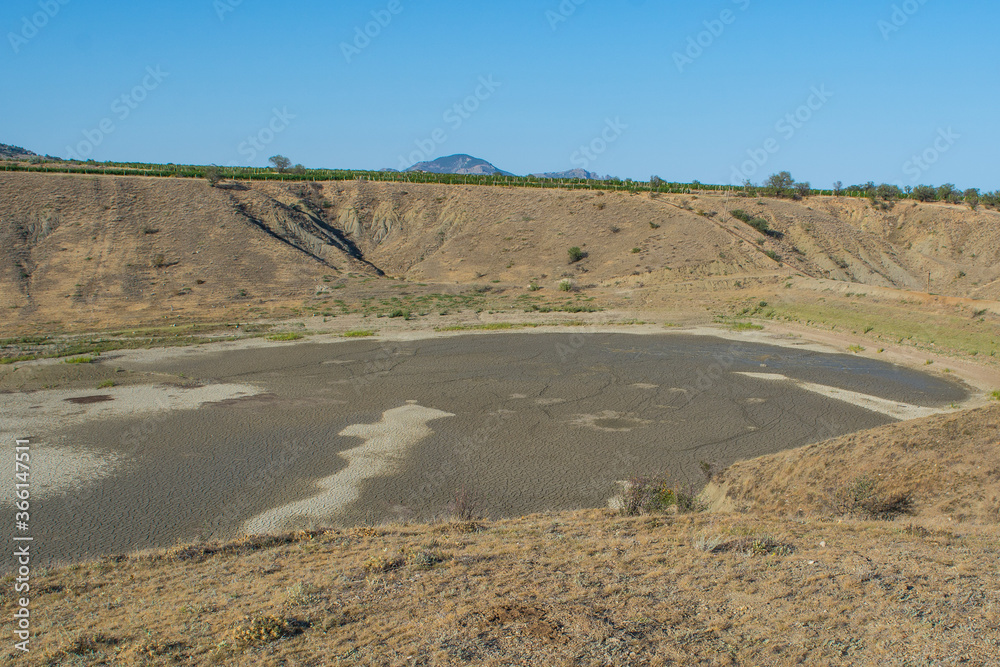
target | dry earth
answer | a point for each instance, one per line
(584, 588)
(786, 568)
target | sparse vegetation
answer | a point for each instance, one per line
(358, 333)
(575, 254)
(861, 498)
(647, 495)
(80, 360)
(261, 630)
(289, 336)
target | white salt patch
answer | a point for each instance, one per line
(894, 409)
(386, 442)
(58, 469)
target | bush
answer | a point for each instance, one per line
(741, 215)
(575, 254)
(213, 176)
(262, 630)
(760, 224)
(644, 495)
(565, 285)
(286, 336)
(860, 498)
(464, 506)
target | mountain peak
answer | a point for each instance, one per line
(459, 164)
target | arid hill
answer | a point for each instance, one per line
(77, 248)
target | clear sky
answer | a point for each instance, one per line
(629, 88)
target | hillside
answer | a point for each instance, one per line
(86, 251)
(8, 152)
(587, 588)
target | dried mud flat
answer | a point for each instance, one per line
(272, 437)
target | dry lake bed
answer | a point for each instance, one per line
(267, 438)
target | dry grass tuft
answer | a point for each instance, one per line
(260, 630)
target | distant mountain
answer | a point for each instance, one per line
(14, 153)
(572, 173)
(459, 164)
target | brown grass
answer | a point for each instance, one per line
(587, 588)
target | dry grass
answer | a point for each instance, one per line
(587, 588)
(944, 468)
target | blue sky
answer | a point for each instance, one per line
(629, 88)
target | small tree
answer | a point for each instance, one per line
(213, 175)
(944, 192)
(802, 190)
(924, 193)
(838, 188)
(972, 198)
(575, 254)
(280, 162)
(298, 169)
(888, 192)
(780, 184)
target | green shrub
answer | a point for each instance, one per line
(565, 285)
(286, 336)
(107, 384)
(741, 215)
(760, 224)
(745, 326)
(861, 498)
(80, 360)
(644, 495)
(358, 333)
(575, 254)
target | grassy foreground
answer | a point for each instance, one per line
(767, 584)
